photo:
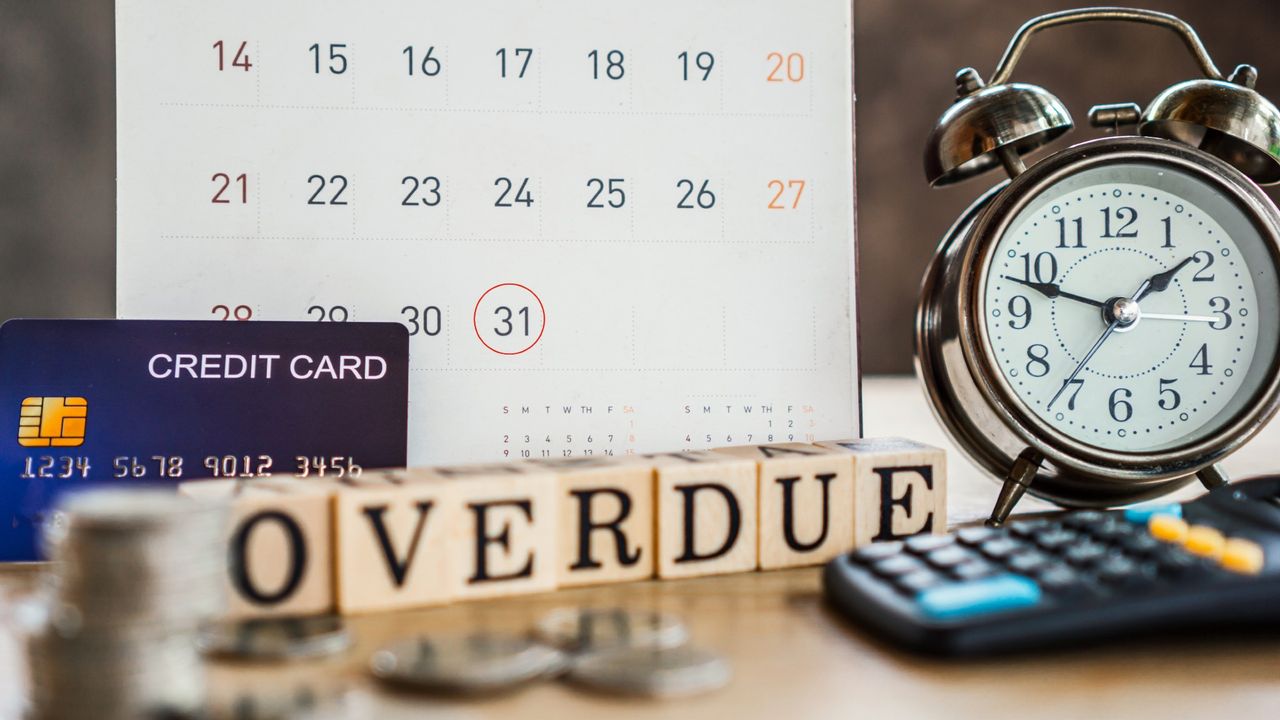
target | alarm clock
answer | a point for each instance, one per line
(1104, 327)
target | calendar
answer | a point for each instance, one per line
(608, 227)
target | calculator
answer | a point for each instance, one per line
(1078, 577)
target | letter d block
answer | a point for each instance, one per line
(606, 518)
(280, 547)
(806, 502)
(706, 506)
(504, 539)
(391, 540)
(900, 488)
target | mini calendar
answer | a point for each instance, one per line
(608, 227)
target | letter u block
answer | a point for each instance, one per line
(606, 518)
(280, 545)
(391, 533)
(504, 538)
(900, 488)
(806, 502)
(706, 507)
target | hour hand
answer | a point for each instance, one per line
(1052, 290)
(1161, 280)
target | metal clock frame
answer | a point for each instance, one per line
(978, 407)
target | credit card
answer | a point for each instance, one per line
(86, 402)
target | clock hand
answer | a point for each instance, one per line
(1111, 328)
(1183, 318)
(1053, 290)
(1161, 280)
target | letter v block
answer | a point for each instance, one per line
(706, 507)
(504, 540)
(391, 540)
(806, 502)
(900, 488)
(279, 547)
(606, 518)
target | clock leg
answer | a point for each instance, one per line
(1015, 485)
(1213, 477)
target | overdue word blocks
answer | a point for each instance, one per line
(706, 509)
(503, 540)
(280, 546)
(390, 540)
(806, 502)
(900, 488)
(606, 519)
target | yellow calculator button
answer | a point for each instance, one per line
(1242, 556)
(1167, 528)
(1204, 541)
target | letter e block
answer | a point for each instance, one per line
(606, 518)
(504, 540)
(280, 547)
(900, 488)
(706, 508)
(391, 541)
(806, 502)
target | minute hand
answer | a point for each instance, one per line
(1053, 290)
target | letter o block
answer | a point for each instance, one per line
(900, 488)
(280, 545)
(706, 506)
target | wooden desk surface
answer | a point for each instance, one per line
(794, 659)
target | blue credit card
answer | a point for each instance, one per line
(86, 402)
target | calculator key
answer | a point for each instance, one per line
(1114, 529)
(876, 551)
(977, 535)
(925, 543)
(1143, 513)
(914, 582)
(1204, 541)
(1056, 538)
(1122, 572)
(897, 565)
(1027, 528)
(1061, 579)
(1081, 518)
(1243, 556)
(1002, 547)
(1085, 553)
(1140, 544)
(949, 556)
(1167, 528)
(1175, 563)
(1001, 593)
(974, 570)
(1026, 562)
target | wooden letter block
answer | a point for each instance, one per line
(706, 509)
(391, 533)
(900, 488)
(280, 545)
(806, 502)
(504, 540)
(606, 518)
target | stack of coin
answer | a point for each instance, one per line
(135, 574)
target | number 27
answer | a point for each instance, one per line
(782, 187)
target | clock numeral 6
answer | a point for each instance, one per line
(1119, 406)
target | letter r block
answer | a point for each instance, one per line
(280, 545)
(504, 538)
(606, 518)
(706, 508)
(391, 533)
(900, 488)
(806, 502)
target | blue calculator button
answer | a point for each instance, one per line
(978, 597)
(1142, 513)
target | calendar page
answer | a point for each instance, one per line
(608, 227)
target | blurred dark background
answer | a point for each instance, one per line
(57, 132)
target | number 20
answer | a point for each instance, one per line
(794, 67)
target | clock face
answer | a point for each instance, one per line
(1132, 307)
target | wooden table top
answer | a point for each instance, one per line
(793, 657)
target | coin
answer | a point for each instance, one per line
(473, 663)
(291, 638)
(579, 630)
(651, 672)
